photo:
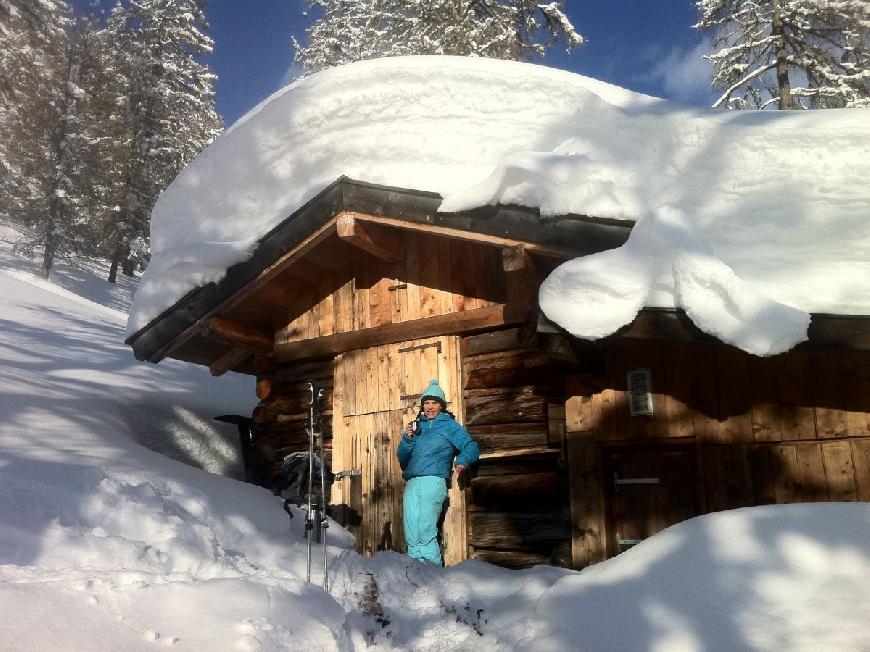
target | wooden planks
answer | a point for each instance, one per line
(727, 477)
(449, 324)
(828, 393)
(855, 374)
(811, 472)
(839, 471)
(373, 409)
(790, 428)
(718, 394)
(430, 276)
(861, 461)
(588, 529)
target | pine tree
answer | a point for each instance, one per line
(352, 30)
(45, 150)
(18, 17)
(165, 113)
(789, 53)
(25, 27)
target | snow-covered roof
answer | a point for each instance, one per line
(750, 219)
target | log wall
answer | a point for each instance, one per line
(281, 417)
(518, 502)
(788, 428)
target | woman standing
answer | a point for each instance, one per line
(426, 454)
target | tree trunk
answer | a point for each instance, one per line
(113, 268)
(782, 80)
(47, 260)
(117, 255)
(50, 239)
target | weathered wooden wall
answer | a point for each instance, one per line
(518, 504)
(281, 417)
(789, 428)
(436, 276)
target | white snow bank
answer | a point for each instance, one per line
(776, 201)
(785, 577)
(105, 545)
(71, 347)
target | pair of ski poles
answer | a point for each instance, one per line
(316, 522)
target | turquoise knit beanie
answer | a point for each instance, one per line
(434, 392)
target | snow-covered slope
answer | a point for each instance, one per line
(771, 207)
(105, 545)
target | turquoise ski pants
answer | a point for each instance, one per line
(424, 498)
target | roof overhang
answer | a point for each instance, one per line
(564, 236)
(841, 332)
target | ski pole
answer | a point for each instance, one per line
(324, 523)
(308, 520)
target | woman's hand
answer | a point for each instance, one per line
(409, 429)
(460, 468)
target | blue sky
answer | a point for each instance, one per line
(645, 45)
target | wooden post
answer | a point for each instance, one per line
(586, 488)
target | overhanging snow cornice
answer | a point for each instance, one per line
(581, 235)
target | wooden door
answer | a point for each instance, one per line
(648, 489)
(377, 392)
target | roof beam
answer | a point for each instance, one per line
(227, 330)
(840, 331)
(305, 271)
(549, 251)
(516, 258)
(449, 324)
(378, 242)
(229, 360)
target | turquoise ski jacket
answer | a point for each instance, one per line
(431, 450)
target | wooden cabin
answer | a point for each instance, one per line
(587, 448)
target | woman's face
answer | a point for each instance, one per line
(431, 408)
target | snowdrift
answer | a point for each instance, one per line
(772, 206)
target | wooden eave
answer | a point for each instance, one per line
(181, 330)
(826, 331)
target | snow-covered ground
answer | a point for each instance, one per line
(106, 545)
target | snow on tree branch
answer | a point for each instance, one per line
(353, 30)
(820, 45)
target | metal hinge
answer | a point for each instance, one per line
(628, 542)
(417, 347)
(618, 481)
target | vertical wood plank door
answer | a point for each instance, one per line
(377, 392)
(648, 489)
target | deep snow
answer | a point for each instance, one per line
(105, 545)
(753, 219)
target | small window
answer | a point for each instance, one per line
(640, 392)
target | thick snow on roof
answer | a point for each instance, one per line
(752, 219)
